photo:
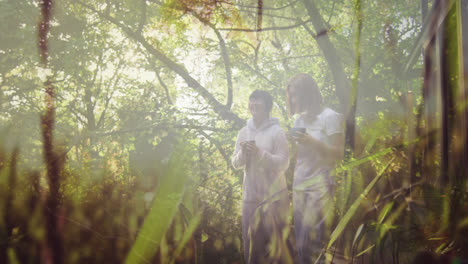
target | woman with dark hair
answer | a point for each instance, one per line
(262, 151)
(319, 146)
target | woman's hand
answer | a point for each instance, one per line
(330, 152)
(304, 138)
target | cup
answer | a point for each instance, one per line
(293, 131)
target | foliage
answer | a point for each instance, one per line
(150, 96)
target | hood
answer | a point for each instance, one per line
(272, 121)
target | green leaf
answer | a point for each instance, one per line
(358, 232)
(352, 210)
(188, 233)
(441, 247)
(13, 259)
(365, 250)
(389, 223)
(160, 216)
(204, 237)
(385, 211)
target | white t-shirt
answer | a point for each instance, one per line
(309, 162)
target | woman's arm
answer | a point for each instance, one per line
(331, 152)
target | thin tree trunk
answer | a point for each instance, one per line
(51, 208)
(445, 91)
(464, 88)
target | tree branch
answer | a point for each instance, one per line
(159, 126)
(261, 75)
(224, 54)
(163, 84)
(220, 109)
(271, 15)
(301, 23)
(219, 147)
(143, 17)
(264, 8)
(115, 79)
(291, 58)
(329, 51)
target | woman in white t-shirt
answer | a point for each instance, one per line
(317, 151)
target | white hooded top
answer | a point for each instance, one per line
(264, 174)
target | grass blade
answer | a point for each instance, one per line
(385, 211)
(392, 218)
(365, 250)
(188, 233)
(159, 218)
(352, 210)
(358, 232)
